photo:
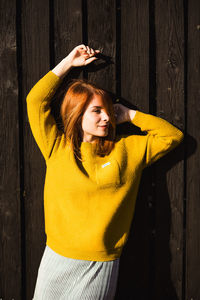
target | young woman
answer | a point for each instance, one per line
(92, 180)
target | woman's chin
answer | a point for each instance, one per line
(103, 134)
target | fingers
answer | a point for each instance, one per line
(89, 60)
(116, 109)
(117, 106)
(87, 53)
(82, 47)
(86, 50)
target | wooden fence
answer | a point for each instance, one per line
(153, 53)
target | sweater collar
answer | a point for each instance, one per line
(87, 148)
(87, 144)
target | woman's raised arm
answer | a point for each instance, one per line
(161, 138)
(80, 56)
(42, 122)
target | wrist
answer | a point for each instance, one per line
(131, 114)
(63, 67)
(67, 63)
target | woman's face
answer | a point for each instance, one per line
(95, 121)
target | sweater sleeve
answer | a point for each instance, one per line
(42, 123)
(161, 136)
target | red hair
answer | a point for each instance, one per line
(75, 102)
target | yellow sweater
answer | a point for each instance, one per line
(89, 217)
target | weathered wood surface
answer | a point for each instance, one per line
(151, 53)
(10, 217)
(67, 33)
(134, 273)
(36, 62)
(192, 274)
(169, 32)
(101, 34)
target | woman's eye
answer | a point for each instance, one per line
(97, 111)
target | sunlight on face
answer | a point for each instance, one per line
(95, 121)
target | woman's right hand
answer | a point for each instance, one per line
(80, 56)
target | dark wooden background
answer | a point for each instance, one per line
(152, 51)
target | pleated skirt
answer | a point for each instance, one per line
(62, 278)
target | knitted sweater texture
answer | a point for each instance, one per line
(89, 208)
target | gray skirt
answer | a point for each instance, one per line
(64, 278)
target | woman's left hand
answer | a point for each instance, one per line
(121, 113)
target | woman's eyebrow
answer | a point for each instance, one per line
(96, 106)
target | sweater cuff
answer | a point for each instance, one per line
(134, 120)
(142, 120)
(53, 78)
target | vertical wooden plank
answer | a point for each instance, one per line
(35, 53)
(193, 153)
(10, 227)
(68, 27)
(169, 26)
(102, 35)
(67, 35)
(134, 268)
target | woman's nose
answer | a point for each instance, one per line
(105, 117)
